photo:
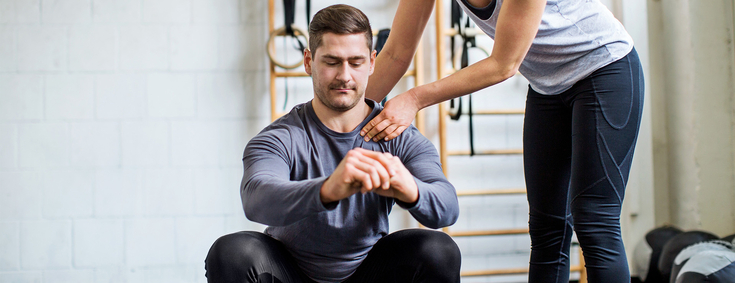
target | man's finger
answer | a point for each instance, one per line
(376, 167)
(383, 158)
(374, 170)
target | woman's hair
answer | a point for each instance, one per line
(339, 19)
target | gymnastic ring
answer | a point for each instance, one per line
(281, 32)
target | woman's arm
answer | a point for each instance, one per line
(395, 57)
(518, 23)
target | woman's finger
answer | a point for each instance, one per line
(388, 130)
(396, 133)
(377, 129)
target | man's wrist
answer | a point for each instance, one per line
(324, 193)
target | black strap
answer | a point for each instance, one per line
(467, 43)
(289, 10)
(455, 23)
(379, 43)
(308, 12)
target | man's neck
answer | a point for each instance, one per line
(341, 122)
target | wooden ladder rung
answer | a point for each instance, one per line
(499, 112)
(290, 74)
(515, 231)
(491, 272)
(469, 32)
(492, 192)
(485, 152)
(496, 112)
(506, 271)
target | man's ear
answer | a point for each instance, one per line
(372, 61)
(307, 61)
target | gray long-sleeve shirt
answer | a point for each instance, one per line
(285, 167)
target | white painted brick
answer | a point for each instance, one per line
(22, 97)
(66, 11)
(168, 192)
(118, 274)
(116, 11)
(143, 47)
(45, 244)
(254, 12)
(20, 11)
(232, 140)
(171, 95)
(69, 96)
(43, 145)
(239, 47)
(118, 193)
(95, 144)
(7, 12)
(9, 246)
(8, 146)
(215, 11)
(238, 222)
(92, 48)
(20, 196)
(67, 193)
(194, 143)
(145, 144)
(99, 243)
(69, 276)
(194, 236)
(217, 191)
(150, 242)
(120, 96)
(178, 274)
(21, 277)
(193, 48)
(231, 96)
(8, 57)
(167, 11)
(42, 48)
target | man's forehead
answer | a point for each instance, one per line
(343, 45)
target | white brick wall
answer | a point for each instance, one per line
(10, 245)
(22, 97)
(8, 60)
(94, 235)
(45, 244)
(42, 48)
(92, 48)
(122, 128)
(116, 11)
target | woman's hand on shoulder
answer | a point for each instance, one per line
(393, 120)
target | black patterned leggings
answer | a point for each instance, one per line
(577, 149)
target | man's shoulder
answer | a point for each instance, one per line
(285, 128)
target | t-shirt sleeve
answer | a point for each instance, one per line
(268, 195)
(437, 205)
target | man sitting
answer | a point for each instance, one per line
(325, 193)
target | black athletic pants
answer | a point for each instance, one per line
(414, 255)
(577, 151)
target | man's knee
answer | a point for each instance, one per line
(234, 251)
(437, 248)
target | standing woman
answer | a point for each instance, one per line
(583, 113)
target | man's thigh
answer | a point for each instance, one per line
(413, 255)
(249, 256)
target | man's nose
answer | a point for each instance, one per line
(344, 73)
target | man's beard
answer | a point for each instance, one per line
(339, 108)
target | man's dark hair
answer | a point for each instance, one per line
(339, 19)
